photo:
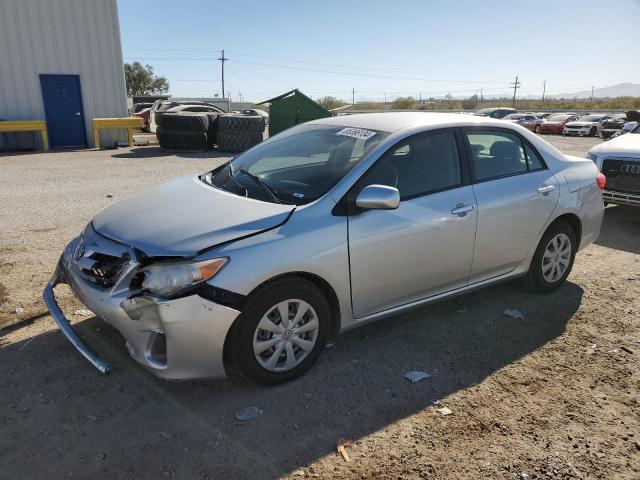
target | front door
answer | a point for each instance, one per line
(63, 110)
(424, 247)
(516, 196)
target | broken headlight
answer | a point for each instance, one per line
(171, 278)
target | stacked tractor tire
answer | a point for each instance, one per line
(204, 131)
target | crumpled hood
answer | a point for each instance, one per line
(627, 145)
(184, 216)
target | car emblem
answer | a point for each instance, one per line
(630, 168)
(80, 251)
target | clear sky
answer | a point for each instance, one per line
(402, 47)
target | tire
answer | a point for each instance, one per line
(538, 277)
(240, 124)
(237, 142)
(593, 132)
(180, 140)
(536, 129)
(197, 122)
(254, 367)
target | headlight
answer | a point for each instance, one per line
(166, 279)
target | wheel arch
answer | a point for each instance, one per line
(573, 220)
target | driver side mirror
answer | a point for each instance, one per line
(378, 197)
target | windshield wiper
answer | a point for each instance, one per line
(258, 181)
(231, 177)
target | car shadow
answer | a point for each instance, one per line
(621, 228)
(133, 425)
(153, 152)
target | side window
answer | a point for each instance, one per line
(496, 154)
(534, 160)
(422, 164)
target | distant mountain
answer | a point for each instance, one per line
(620, 90)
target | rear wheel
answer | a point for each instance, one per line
(281, 332)
(536, 129)
(553, 260)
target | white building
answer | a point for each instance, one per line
(61, 61)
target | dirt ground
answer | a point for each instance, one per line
(553, 395)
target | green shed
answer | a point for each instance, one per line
(292, 108)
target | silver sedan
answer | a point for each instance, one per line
(325, 227)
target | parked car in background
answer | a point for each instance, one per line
(161, 106)
(585, 126)
(543, 115)
(627, 128)
(554, 124)
(619, 160)
(493, 112)
(145, 114)
(632, 119)
(137, 107)
(257, 112)
(612, 125)
(527, 120)
(257, 263)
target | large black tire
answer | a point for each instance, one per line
(181, 140)
(240, 346)
(240, 124)
(237, 142)
(535, 278)
(197, 122)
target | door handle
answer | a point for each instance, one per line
(462, 209)
(543, 190)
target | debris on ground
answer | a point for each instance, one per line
(342, 445)
(83, 312)
(513, 313)
(628, 350)
(330, 344)
(19, 310)
(416, 376)
(462, 310)
(298, 473)
(109, 195)
(100, 456)
(592, 349)
(248, 413)
(25, 344)
(444, 411)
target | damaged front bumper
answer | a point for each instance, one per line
(179, 338)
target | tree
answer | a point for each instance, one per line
(141, 80)
(330, 102)
(470, 103)
(404, 103)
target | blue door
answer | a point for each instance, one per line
(63, 111)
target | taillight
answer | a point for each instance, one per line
(601, 180)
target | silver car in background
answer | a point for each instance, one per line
(327, 226)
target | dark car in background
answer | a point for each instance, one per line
(554, 123)
(527, 120)
(495, 112)
(613, 125)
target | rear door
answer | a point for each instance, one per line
(516, 195)
(425, 246)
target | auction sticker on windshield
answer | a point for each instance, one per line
(356, 133)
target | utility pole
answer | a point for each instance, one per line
(544, 89)
(222, 60)
(385, 98)
(420, 97)
(481, 96)
(516, 86)
(592, 93)
(353, 96)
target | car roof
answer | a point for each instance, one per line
(394, 121)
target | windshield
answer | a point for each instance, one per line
(558, 117)
(514, 116)
(636, 129)
(297, 166)
(590, 118)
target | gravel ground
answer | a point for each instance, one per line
(553, 395)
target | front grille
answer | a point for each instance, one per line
(623, 175)
(99, 259)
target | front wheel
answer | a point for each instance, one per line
(553, 260)
(281, 332)
(593, 132)
(536, 129)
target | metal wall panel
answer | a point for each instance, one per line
(80, 37)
